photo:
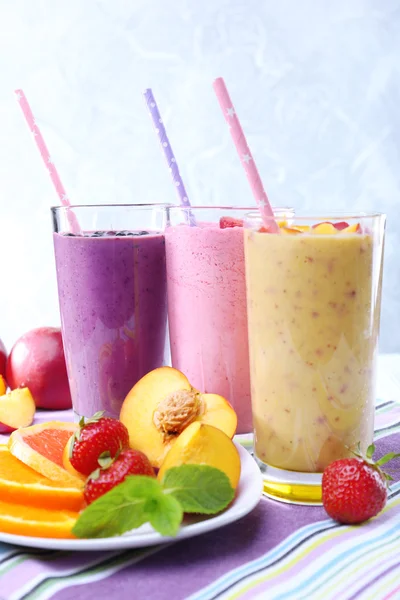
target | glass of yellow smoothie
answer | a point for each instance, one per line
(313, 305)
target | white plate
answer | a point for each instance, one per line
(248, 495)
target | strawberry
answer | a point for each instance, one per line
(113, 471)
(355, 489)
(95, 436)
(226, 222)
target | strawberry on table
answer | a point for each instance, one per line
(94, 437)
(355, 489)
(113, 471)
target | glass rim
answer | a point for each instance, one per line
(91, 206)
(215, 207)
(253, 216)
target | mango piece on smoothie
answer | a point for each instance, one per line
(280, 224)
(291, 230)
(202, 444)
(303, 228)
(356, 228)
(324, 228)
(162, 405)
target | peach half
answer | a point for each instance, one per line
(162, 405)
(202, 444)
(17, 409)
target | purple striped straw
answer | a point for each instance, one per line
(168, 153)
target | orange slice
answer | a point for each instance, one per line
(41, 447)
(37, 522)
(21, 484)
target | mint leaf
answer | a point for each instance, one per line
(199, 488)
(141, 499)
(121, 509)
(165, 515)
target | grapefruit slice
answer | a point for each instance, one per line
(41, 447)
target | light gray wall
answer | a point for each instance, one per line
(315, 82)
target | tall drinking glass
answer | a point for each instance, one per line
(207, 303)
(313, 298)
(112, 293)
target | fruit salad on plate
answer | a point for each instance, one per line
(171, 453)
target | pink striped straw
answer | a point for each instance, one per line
(41, 145)
(245, 155)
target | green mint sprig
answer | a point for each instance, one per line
(141, 499)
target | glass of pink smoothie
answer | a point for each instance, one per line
(207, 302)
(314, 297)
(112, 294)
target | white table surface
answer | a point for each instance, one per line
(388, 387)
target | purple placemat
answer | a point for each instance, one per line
(278, 551)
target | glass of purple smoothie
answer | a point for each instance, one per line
(207, 310)
(112, 293)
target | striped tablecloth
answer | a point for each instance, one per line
(278, 551)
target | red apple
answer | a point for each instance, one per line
(3, 359)
(37, 361)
